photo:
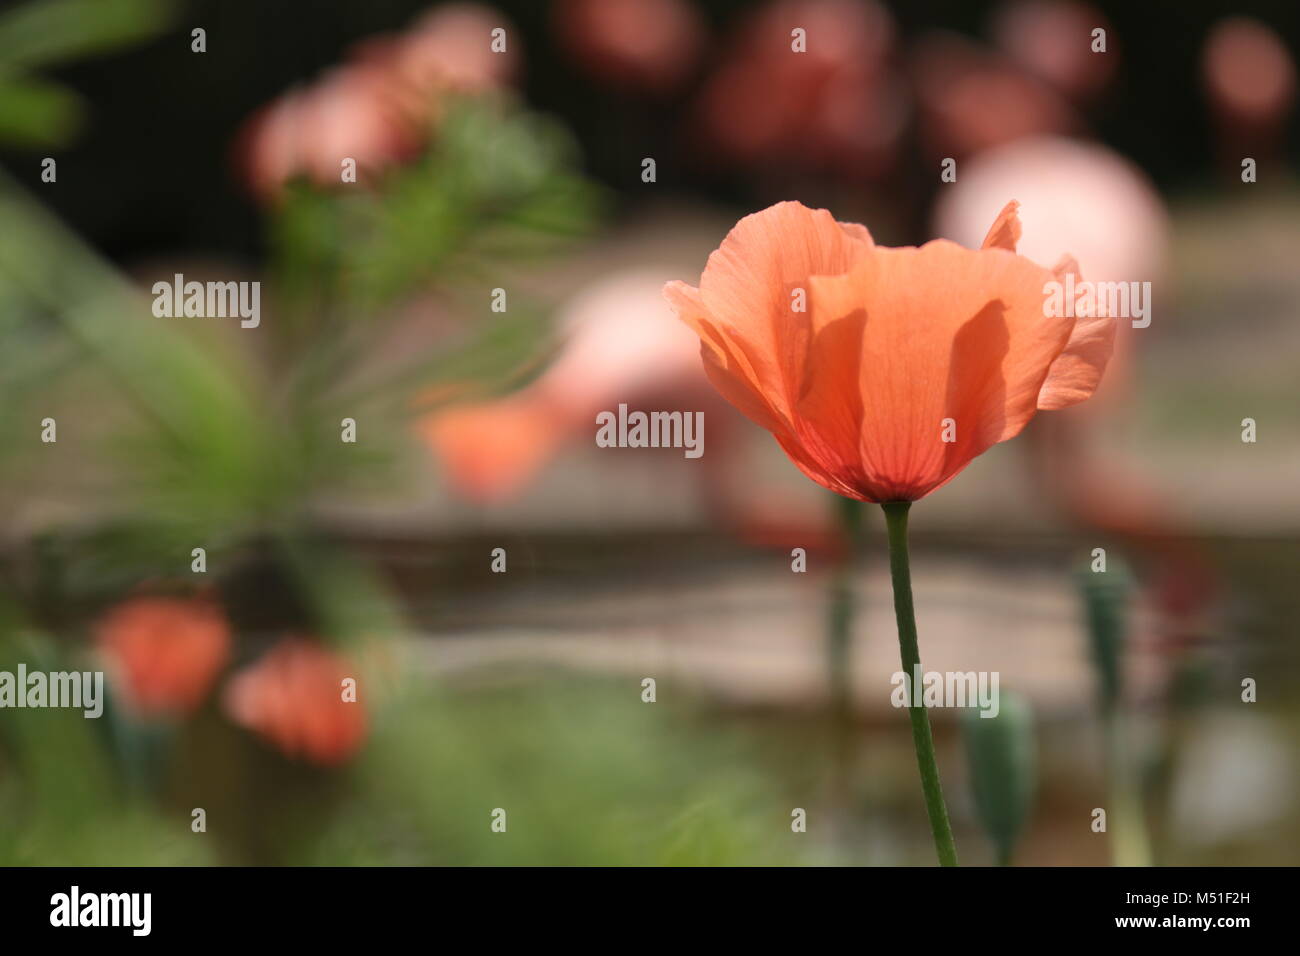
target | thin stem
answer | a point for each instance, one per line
(1130, 845)
(901, 575)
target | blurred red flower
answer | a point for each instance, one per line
(641, 45)
(1248, 71)
(294, 697)
(618, 347)
(165, 653)
(449, 50)
(352, 112)
(1053, 40)
(378, 108)
(971, 98)
(823, 98)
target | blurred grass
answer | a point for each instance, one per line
(588, 775)
(61, 797)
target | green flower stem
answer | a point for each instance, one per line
(901, 575)
(1130, 845)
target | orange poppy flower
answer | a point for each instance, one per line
(165, 652)
(293, 696)
(883, 372)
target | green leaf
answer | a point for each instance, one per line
(205, 447)
(37, 113)
(47, 32)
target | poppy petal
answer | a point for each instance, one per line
(1005, 231)
(1077, 371)
(751, 288)
(973, 348)
(725, 360)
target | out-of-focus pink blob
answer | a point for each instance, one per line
(836, 106)
(351, 112)
(1052, 39)
(1248, 72)
(379, 107)
(1077, 198)
(450, 49)
(1082, 198)
(639, 45)
(623, 345)
(972, 99)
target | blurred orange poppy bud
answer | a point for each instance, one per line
(301, 697)
(164, 653)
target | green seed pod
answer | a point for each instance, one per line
(1000, 752)
(1105, 602)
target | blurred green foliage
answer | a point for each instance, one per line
(586, 772)
(212, 434)
(43, 33)
(176, 432)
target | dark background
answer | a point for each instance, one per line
(152, 171)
